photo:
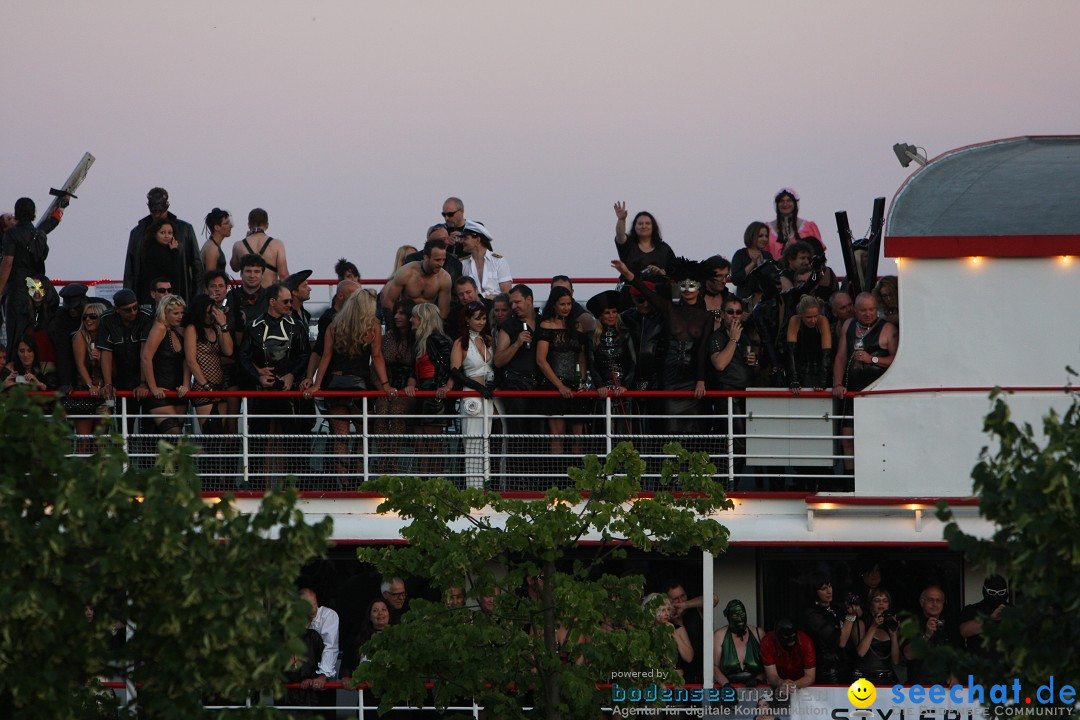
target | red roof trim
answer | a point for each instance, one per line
(951, 246)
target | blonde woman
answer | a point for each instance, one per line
(352, 347)
(88, 368)
(164, 366)
(431, 371)
(399, 258)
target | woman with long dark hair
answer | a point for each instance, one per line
(398, 356)
(471, 365)
(789, 227)
(642, 249)
(160, 259)
(560, 358)
(823, 621)
(36, 375)
(206, 341)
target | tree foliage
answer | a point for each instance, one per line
(495, 546)
(206, 594)
(1029, 488)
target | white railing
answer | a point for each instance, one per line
(768, 440)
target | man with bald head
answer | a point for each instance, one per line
(866, 349)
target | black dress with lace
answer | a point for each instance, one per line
(564, 349)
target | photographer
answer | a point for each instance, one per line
(877, 638)
(936, 631)
(995, 594)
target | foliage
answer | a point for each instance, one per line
(206, 594)
(496, 546)
(1030, 489)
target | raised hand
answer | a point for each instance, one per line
(620, 210)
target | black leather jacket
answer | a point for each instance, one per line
(280, 344)
(438, 351)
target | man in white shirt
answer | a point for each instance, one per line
(325, 622)
(489, 269)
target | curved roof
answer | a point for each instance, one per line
(1027, 186)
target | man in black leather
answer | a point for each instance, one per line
(24, 250)
(157, 202)
(274, 353)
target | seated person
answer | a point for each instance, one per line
(789, 657)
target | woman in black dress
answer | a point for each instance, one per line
(160, 259)
(560, 358)
(164, 366)
(642, 248)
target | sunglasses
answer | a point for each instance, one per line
(450, 214)
(162, 290)
(91, 316)
(997, 593)
(733, 312)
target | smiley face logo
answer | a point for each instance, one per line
(862, 693)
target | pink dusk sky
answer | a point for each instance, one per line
(350, 122)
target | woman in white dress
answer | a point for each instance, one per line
(471, 365)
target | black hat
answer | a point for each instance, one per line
(685, 269)
(73, 294)
(124, 297)
(294, 281)
(600, 302)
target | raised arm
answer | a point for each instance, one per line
(620, 223)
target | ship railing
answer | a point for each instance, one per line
(758, 440)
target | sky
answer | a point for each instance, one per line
(350, 122)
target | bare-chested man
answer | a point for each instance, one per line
(422, 281)
(258, 242)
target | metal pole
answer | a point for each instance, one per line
(707, 611)
(607, 422)
(245, 439)
(730, 444)
(365, 440)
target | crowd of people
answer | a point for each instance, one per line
(450, 317)
(832, 640)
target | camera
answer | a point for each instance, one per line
(852, 600)
(817, 263)
(20, 379)
(278, 384)
(889, 621)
